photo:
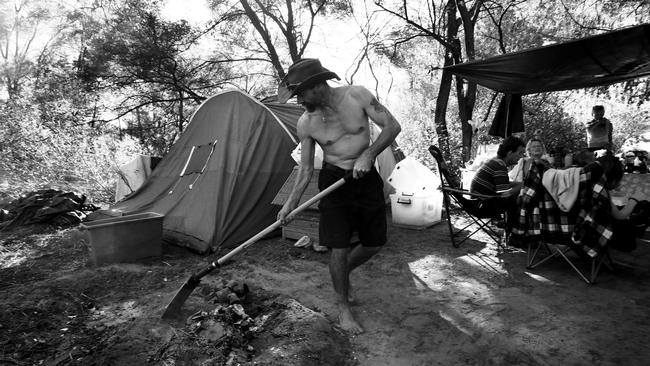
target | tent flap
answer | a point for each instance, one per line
(509, 117)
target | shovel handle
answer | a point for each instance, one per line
(277, 223)
(174, 307)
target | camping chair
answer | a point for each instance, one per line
(550, 232)
(586, 267)
(468, 202)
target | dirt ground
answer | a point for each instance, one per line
(421, 301)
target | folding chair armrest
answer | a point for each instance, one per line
(466, 192)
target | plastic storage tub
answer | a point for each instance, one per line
(415, 212)
(125, 238)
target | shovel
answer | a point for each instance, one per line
(173, 310)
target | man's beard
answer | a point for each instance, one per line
(309, 106)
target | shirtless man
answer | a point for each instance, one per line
(337, 119)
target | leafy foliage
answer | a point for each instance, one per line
(628, 119)
(81, 159)
(508, 26)
(113, 64)
(151, 66)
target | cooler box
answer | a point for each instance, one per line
(125, 238)
(415, 212)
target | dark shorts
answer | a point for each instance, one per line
(492, 207)
(357, 205)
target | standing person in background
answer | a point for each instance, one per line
(599, 130)
(337, 120)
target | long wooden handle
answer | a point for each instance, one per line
(277, 224)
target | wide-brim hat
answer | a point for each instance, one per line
(301, 75)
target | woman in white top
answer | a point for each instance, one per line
(535, 150)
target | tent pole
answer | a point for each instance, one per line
(507, 115)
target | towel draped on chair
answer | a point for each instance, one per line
(562, 185)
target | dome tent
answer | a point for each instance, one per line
(216, 184)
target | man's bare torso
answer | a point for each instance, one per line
(343, 131)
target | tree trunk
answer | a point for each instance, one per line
(466, 97)
(140, 129)
(180, 111)
(266, 37)
(465, 112)
(442, 100)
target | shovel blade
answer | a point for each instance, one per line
(173, 310)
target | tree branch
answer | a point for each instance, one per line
(427, 32)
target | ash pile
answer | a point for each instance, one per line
(250, 326)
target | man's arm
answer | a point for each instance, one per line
(609, 134)
(390, 128)
(504, 187)
(515, 188)
(624, 212)
(305, 171)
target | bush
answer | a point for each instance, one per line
(75, 158)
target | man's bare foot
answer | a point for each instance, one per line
(351, 298)
(348, 323)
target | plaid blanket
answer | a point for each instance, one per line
(588, 225)
(594, 227)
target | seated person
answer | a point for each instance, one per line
(492, 177)
(635, 162)
(641, 164)
(536, 154)
(630, 220)
(583, 157)
(629, 161)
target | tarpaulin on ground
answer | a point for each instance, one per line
(49, 206)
